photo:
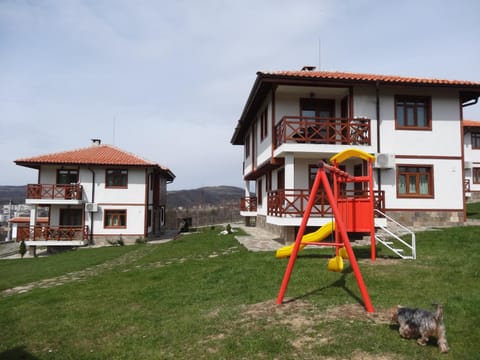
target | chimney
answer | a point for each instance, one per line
(96, 141)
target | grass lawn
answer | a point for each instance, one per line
(204, 296)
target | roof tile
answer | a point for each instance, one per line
(471, 123)
(328, 75)
(93, 155)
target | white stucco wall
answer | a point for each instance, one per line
(440, 147)
(447, 182)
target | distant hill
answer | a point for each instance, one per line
(15, 194)
(210, 195)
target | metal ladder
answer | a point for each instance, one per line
(393, 236)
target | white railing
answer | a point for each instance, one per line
(394, 241)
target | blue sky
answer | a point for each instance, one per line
(167, 80)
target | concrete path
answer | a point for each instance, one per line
(258, 239)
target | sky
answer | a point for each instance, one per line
(168, 80)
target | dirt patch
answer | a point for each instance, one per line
(300, 313)
(302, 316)
(357, 312)
(381, 261)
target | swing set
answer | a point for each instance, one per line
(351, 214)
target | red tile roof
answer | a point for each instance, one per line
(393, 79)
(471, 123)
(93, 155)
(26, 219)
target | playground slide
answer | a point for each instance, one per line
(315, 236)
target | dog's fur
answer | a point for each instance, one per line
(421, 324)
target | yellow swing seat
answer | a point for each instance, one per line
(335, 264)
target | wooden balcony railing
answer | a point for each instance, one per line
(248, 204)
(313, 130)
(53, 233)
(292, 203)
(54, 191)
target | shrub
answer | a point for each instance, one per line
(22, 249)
(140, 240)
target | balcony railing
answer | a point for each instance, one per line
(52, 233)
(54, 191)
(314, 130)
(248, 204)
(292, 203)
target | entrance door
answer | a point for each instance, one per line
(70, 217)
(319, 114)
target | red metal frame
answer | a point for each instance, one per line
(362, 218)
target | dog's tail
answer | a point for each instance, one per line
(441, 332)
(439, 313)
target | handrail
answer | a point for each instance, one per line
(47, 232)
(54, 191)
(248, 203)
(317, 130)
(411, 246)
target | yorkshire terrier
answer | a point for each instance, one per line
(421, 324)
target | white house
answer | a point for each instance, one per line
(94, 195)
(471, 139)
(293, 119)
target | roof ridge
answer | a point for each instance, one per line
(87, 155)
(367, 76)
(129, 153)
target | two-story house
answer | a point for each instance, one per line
(472, 159)
(293, 119)
(95, 195)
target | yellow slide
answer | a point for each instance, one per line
(315, 236)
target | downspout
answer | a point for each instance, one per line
(377, 96)
(93, 201)
(147, 193)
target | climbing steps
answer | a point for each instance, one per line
(396, 237)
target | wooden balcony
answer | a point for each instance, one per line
(248, 204)
(313, 130)
(52, 233)
(54, 192)
(292, 203)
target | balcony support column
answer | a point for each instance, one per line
(289, 171)
(247, 188)
(33, 222)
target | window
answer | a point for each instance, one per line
(413, 112)
(476, 175)
(475, 140)
(67, 176)
(415, 181)
(281, 179)
(116, 178)
(247, 147)
(264, 124)
(115, 219)
(259, 192)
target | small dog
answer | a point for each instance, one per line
(421, 324)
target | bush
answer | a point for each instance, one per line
(22, 249)
(140, 240)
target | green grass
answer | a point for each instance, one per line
(205, 297)
(473, 210)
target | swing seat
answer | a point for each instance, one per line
(335, 264)
(343, 253)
